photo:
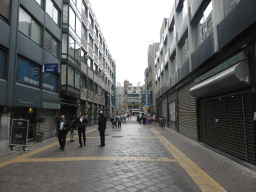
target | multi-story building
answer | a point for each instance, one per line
(205, 69)
(87, 66)
(149, 77)
(132, 97)
(30, 37)
(119, 98)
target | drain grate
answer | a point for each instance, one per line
(107, 134)
(117, 136)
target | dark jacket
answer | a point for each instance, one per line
(66, 125)
(81, 125)
(102, 122)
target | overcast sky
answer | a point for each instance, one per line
(127, 25)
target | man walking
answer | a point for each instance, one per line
(119, 121)
(102, 126)
(63, 127)
(81, 123)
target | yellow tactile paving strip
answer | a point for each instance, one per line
(202, 179)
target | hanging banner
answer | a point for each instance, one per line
(149, 98)
(143, 99)
(108, 100)
(113, 100)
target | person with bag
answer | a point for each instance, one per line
(102, 127)
(81, 123)
(63, 127)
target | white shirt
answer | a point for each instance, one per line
(61, 125)
(81, 119)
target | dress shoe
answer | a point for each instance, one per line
(60, 148)
(63, 149)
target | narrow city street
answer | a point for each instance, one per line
(136, 157)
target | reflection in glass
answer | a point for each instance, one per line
(63, 74)
(77, 80)
(49, 7)
(36, 32)
(64, 43)
(5, 8)
(51, 44)
(24, 22)
(71, 47)
(78, 27)
(71, 76)
(55, 15)
(72, 19)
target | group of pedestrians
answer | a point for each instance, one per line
(64, 126)
(145, 119)
(117, 119)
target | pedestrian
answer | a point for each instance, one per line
(144, 119)
(81, 123)
(148, 119)
(163, 122)
(130, 116)
(111, 118)
(102, 127)
(140, 116)
(119, 121)
(72, 128)
(127, 116)
(63, 127)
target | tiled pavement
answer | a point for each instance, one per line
(135, 158)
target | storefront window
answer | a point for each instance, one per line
(204, 27)
(71, 76)
(27, 72)
(29, 27)
(51, 44)
(50, 81)
(5, 9)
(2, 62)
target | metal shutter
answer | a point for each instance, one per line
(48, 126)
(187, 112)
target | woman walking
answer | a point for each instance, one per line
(163, 122)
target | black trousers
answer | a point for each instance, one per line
(102, 137)
(62, 138)
(80, 131)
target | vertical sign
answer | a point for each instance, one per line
(143, 99)
(108, 100)
(113, 100)
(19, 132)
(149, 98)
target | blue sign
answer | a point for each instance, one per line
(143, 99)
(113, 100)
(149, 98)
(108, 100)
(51, 67)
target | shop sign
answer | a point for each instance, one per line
(19, 132)
(51, 68)
(51, 105)
(237, 58)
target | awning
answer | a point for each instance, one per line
(233, 78)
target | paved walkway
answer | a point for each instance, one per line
(135, 158)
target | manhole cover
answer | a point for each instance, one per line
(117, 136)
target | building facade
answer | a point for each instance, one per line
(87, 66)
(30, 37)
(119, 98)
(204, 72)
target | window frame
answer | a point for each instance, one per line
(52, 14)
(54, 38)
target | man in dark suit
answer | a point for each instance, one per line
(102, 126)
(81, 123)
(63, 127)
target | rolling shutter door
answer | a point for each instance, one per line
(187, 112)
(48, 126)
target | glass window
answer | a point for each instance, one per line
(52, 11)
(39, 2)
(64, 43)
(27, 72)
(79, 5)
(5, 8)
(2, 62)
(83, 54)
(91, 41)
(84, 32)
(71, 76)
(91, 21)
(229, 5)
(77, 80)
(83, 81)
(90, 63)
(184, 52)
(50, 81)
(85, 9)
(24, 22)
(36, 32)
(96, 50)
(51, 44)
(71, 47)
(78, 54)
(63, 74)
(72, 19)
(65, 15)
(78, 27)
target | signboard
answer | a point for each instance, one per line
(113, 100)
(143, 99)
(108, 100)
(172, 112)
(51, 68)
(47, 105)
(19, 132)
(149, 98)
(237, 58)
